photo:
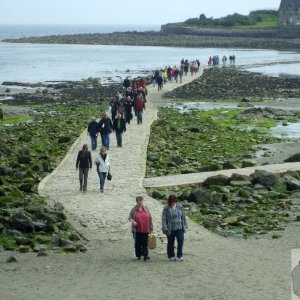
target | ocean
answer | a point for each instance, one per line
(40, 63)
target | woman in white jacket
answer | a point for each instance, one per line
(102, 162)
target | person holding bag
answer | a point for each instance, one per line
(141, 221)
(103, 166)
(174, 225)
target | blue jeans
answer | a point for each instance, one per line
(139, 115)
(179, 235)
(94, 142)
(106, 140)
(102, 176)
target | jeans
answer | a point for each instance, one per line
(106, 140)
(179, 235)
(102, 176)
(139, 115)
(94, 142)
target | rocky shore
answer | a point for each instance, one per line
(166, 40)
(232, 84)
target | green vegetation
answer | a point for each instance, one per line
(203, 141)
(29, 151)
(15, 119)
(260, 19)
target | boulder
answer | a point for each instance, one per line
(200, 196)
(5, 171)
(217, 180)
(64, 139)
(264, 178)
(293, 158)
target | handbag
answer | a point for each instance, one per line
(109, 176)
(151, 241)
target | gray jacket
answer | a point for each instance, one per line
(166, 220)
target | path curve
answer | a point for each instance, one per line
(214, 267)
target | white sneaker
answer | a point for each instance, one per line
(172, 258)
(179, 258)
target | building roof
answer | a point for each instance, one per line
(290, 4)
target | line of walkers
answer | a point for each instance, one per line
(175, 74)
(122, 106)
(174, 225)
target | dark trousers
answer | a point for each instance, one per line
(83, 177)
(119, 136)
(179, 235)
(141, 244)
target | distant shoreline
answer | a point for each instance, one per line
(153, 38)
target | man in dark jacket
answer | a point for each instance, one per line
(93, 133)
(84, 162)
(119, 128)
(105, 128)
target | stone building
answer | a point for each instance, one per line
(289, 13)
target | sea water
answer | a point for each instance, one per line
(40, 62)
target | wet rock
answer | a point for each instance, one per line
(24, 159)
(5, 171)
(200, 196)
(217, 180)
(42, 254)
(293, 158)
(24, 249)
(64, 139)
(264, 178)
(11, 259)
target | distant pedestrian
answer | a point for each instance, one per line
(139, 108)
(141, 220)
(174, 225)
(84, 162)
(103, 167)
(93, 132)
(105, 128)
(119, 127)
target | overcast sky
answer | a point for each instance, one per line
(122, 11)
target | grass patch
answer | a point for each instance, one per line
(15, 119)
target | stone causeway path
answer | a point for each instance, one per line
(215, 267)
(105, 215)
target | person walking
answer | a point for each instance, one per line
(93, 133)
(141, 220)
(119, 127)
(84, 162)
(128, 109)
(103, 166)
(174, 225)
(105, 128)
(139, 107)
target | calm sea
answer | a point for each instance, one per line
(39, 63)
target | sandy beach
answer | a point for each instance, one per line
(214, 267)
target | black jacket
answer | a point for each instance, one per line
(84, 160)
(122, 127)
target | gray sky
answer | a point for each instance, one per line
(122, 11)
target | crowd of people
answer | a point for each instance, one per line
(126, 103)
(214, 60)
(175, 74)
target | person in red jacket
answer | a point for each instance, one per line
(141, 221)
